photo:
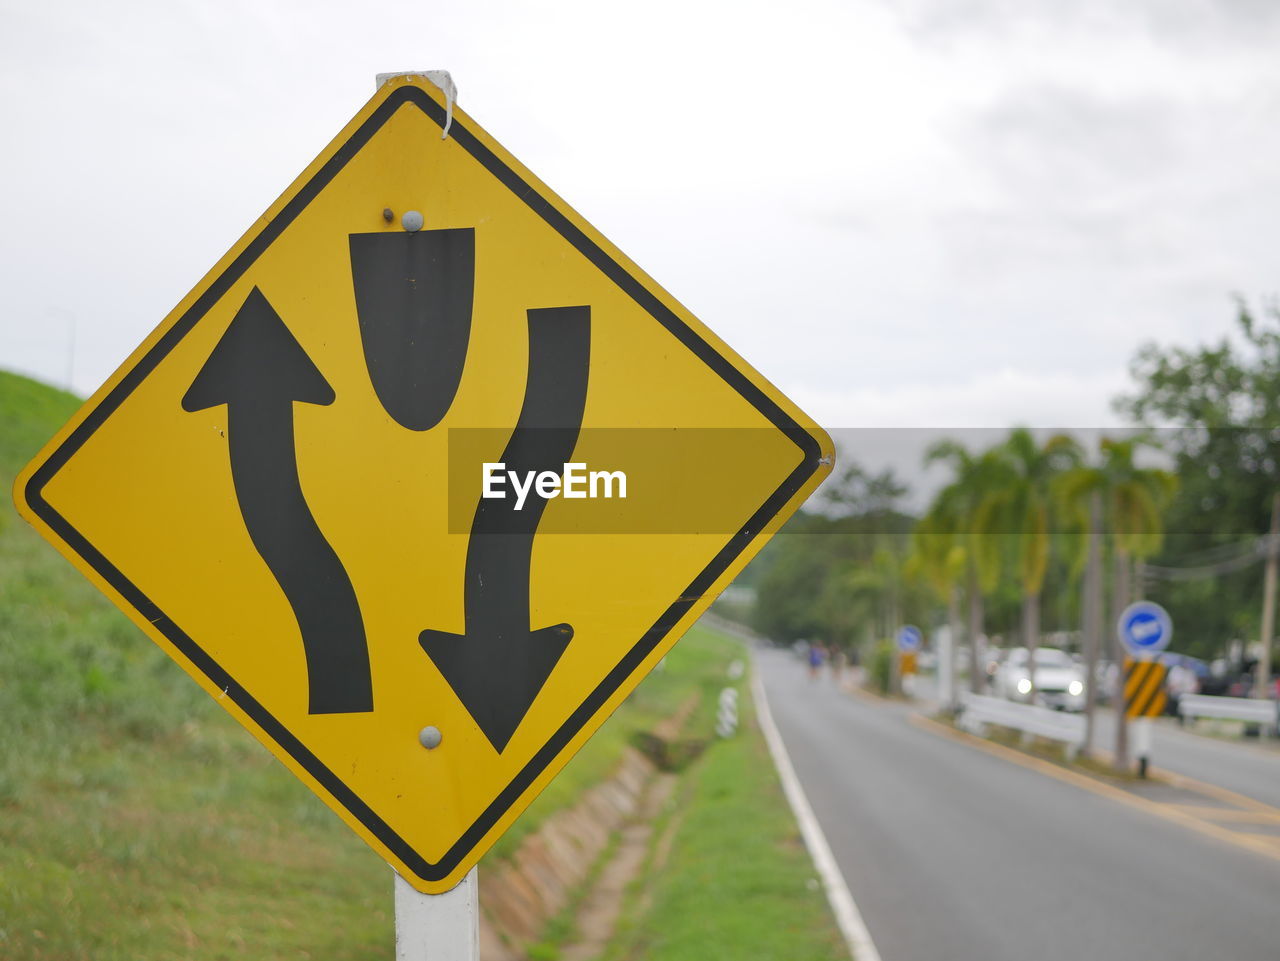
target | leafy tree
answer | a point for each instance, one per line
(857, 492)
(1221, 407)
(955, 520)
(1129, 502)
(1133, 502)
(1018, 511)
(836, 576)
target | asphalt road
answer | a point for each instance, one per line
(953, 854)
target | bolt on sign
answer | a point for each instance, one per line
(349, 484)
(1144, 688)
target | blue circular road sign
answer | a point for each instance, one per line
(1145, 628)
(910, 638)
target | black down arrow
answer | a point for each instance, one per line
(259, 370)
(498, 666)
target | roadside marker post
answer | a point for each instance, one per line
(1145, 629)
(290, 487)
(1145, 698)
(909, 640)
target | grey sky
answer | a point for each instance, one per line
(931, 213)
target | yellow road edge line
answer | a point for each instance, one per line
(1229, 814)
(1216, 791)
(1221, 793)
(1166, 811)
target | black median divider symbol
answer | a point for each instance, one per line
(414, 295)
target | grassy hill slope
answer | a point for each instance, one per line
(29, 414)
(139, 821)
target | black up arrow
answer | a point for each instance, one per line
(258, 370)
(499, 665)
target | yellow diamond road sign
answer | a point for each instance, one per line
(420, 507)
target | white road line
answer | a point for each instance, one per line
(848, 917)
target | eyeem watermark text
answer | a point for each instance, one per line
(576, 482)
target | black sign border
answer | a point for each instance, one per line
(546, 209)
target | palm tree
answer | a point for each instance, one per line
(1020, 507)
(1136, 498)
(956, 511)
(1130, 500)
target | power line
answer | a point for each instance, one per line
(1245, 555)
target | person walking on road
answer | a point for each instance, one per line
(816, 656)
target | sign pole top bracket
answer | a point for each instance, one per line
(441, 78)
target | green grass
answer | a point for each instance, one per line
(697, 666)
(738, 882)
(139, 821)
(29, 414)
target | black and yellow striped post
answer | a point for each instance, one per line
(1144, 691)
(1145, 697)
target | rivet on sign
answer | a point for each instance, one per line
(388, 215)
(430, 737)
(411, 221)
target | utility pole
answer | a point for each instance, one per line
(1262, 679)
(953, 641)
(1092, 617)
(1031, 639)
(977, 661)
(1118, 653)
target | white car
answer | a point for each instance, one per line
(1059, 679)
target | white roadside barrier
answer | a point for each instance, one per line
(1247, 709)
(727, 715)
(978, 710)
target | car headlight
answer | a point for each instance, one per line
(1075, 688)
(1024, 685)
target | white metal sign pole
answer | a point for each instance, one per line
(438, 927)
(944, 644)
(1142, 743)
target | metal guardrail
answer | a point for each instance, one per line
(1251, 710)
(978, 710)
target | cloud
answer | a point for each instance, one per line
(1186, 24)
(981, 400)
(933, 206)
